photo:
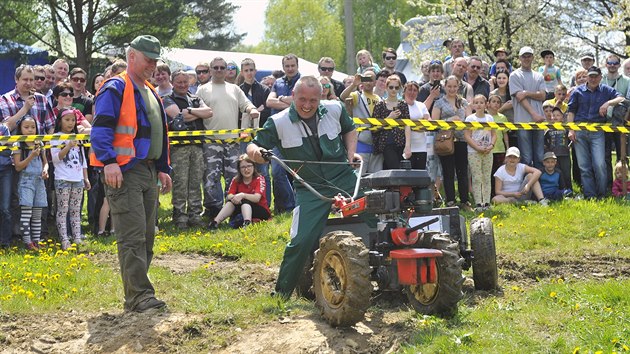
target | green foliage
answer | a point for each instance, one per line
(485, 25)
(53, 280)
(215, 30)
(374, 27)
(96, 27)
(307, 28)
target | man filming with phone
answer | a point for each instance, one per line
(433, 89)
(24, 100)
(360, 100)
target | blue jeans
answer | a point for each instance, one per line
(532, 146)
(6, 184)
(284, 197)
(590, 150)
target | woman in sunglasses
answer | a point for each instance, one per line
(392, 143)
(64, 94)
(328, 91)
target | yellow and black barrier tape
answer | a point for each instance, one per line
(460, 125)
(374, 125)
(172, 142)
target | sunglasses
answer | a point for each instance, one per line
(199, 72)
(40, 78)
(218, 68)
(244, 167)
(435, 62)
(65, 94)
(78, 79)
(390, 58)
(327, 86)
(322, 68)
(231, 67)
(612, 63)
(394, 87)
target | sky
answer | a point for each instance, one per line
(250, 18)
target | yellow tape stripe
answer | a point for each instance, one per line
(375, 124)
(172, 142)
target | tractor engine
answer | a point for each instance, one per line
(393, 193)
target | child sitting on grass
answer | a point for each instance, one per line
(516, 182)
(246, 197)
(617, 187)
(551, 180)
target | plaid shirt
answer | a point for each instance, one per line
(11, 102)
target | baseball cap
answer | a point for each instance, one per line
(500, 50)
(513, 151)
(447, 41)
(549, 155)
(587, 56)
(593, 70)
(546, 52)
(148, 45)
(525, 50)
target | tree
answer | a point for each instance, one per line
(215, 24)
(485, 25)
(100, 25)
(374, 23)
(601, 24)
(307, 28)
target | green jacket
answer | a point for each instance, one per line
(287, 131)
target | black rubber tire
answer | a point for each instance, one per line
(484, 263)
(443, 298)
(341, 278)
(304, 287)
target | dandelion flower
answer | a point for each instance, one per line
(553, 294)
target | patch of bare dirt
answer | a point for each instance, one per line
(376, 334)
(579, 268)
(386, 325)
(93, 333)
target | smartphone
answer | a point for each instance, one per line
(366, 78)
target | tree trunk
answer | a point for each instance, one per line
(350, 50)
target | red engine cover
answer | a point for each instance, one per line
(416, 265)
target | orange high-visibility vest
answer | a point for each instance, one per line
(127, 125)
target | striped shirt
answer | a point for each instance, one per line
(11, 102)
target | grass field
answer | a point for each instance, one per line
(564, 273)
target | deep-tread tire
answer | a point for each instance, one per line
(341, 278)
(441, 300)
(304, 287)
(484, 263)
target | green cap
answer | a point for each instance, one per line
(148, 45)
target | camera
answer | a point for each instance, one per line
(366, 78)
(435, 84)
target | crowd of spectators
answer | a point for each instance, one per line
(211, 181)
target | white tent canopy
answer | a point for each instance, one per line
(182, 58)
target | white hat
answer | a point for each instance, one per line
(525, 50)
(513, 151)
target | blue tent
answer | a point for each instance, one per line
(13, 54)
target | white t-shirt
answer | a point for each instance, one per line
(418, 139)
(480, 136)
(71, 167)
(511, 184)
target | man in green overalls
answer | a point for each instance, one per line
(309, 130)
